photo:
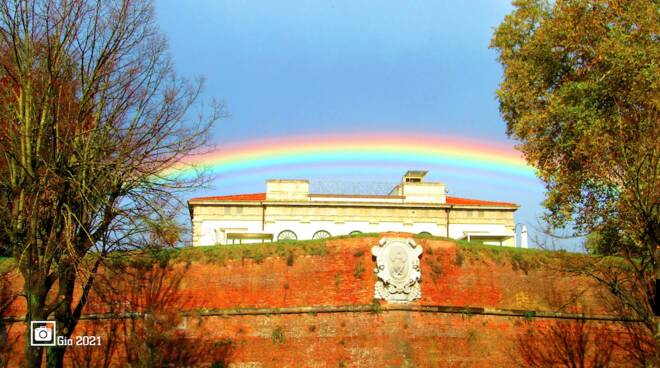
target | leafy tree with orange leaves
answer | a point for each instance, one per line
(581, 93)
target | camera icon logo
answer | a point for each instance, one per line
(42, 333)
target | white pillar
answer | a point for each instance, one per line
(523, 236)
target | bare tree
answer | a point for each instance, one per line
(92, 113)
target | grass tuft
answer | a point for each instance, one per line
(278, 335)
(359, 270)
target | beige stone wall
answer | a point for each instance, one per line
(271, 213)
(287, 190)
(423, 192)
(345, 213)
(274, 212)
(480, 216)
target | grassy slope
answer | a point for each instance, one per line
(218, 254)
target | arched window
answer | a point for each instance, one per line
(287, 235)
(321, 234)
(355, 232)
(425, 233)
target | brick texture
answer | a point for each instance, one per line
(385, 338)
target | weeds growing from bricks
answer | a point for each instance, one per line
(359, 270)
(278, 335)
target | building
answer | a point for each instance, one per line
(287, 211)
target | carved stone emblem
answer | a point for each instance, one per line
(397, 268)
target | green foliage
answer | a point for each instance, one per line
(359, 270)
(7, 264)
(375, 307)
(258, 256)
(594, 242)
(435, 264)
(519, 258)
(472, 335)
(608, 241)
(436, 270)
(315, 247)
(581, 93)
(337, 279)
(529, 315)
(357, 235)
(518, 262)
(277, 336)
(458, 259)
(290, 258)
(257, 252)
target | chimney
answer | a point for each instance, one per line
(416, 190)
(287, 190)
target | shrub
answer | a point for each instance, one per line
(359, 270)
(290, 258)
(277, 335)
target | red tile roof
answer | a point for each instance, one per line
(477, 202)
(262, 197)
(235, 197)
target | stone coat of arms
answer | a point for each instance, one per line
(398, 271)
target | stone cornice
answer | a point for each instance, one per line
(369, 308)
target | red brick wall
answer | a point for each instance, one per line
(450, 277)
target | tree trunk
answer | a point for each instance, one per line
(63, 314)
(33, 354)
(36, 296)
(55, 356)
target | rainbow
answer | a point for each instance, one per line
(414, 151)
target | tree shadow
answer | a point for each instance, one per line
(564, 343)
(581, 342)
(143, 295)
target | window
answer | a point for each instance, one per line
(321, 234)
(425, 233)
(287, 235)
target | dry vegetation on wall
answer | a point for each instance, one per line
(471, 251)
(518, 258)
(220, 254)
(466, 253)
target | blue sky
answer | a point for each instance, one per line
(313, 67)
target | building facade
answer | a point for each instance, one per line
(287, 211)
